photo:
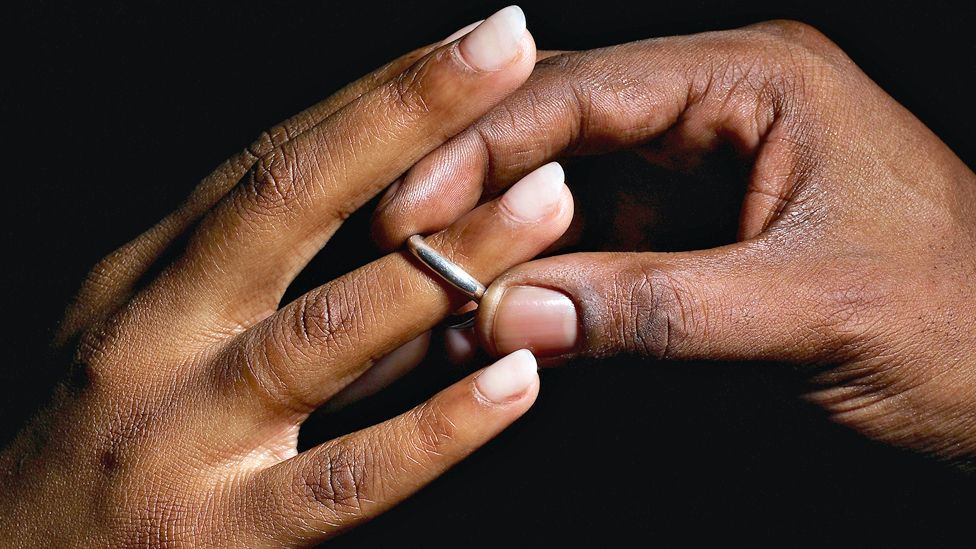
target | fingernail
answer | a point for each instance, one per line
(539, 319)
(537, 194)
(389, 194)
(459, 346)
(496, 41)
(508, 378)
(461, 32)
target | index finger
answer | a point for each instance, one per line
(682, 96)
(246, 252)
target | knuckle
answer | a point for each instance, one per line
(798, 33)
(325, 325)
(802, 55)
(433, 428)
(99, 294)
(409, 92)
(268, 141)
(755, 70)
(99, 349)
(780, 62)
(273, 183)
(260, 366)
(328, 316)
(338, 479)
(93, 347)
(652, 311)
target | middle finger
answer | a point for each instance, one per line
(244, 255)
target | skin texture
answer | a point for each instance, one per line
(177, 424)
(178, 421)
(856, 234)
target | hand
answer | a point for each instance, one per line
(855, 254)
(179, 423)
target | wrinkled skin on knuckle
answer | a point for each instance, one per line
(797, 34)
(324, 323)
(272, 185)
(105, 356)
(782, 68)
(427, 87)
(269, 140)
(432, 429)
(335, 314)
(262, 369)
(93, 355)
(339, 482)
(743, 72)
(409, 91)
(648, 310)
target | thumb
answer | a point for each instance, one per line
(731, 303)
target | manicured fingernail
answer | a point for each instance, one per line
(508, 378)
(461, 32)
(539, 319)
(537, 194)
(496, 41)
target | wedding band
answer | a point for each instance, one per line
(450, 272)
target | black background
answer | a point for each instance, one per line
(112, 111)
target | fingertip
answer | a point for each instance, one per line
(536, 196)
(509, 379)
(434, 193)
(497, 42)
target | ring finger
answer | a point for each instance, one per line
(305, 353)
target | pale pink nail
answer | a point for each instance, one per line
(537, 194)
(496, 41)
(508, 378)
(533, 318)
(461, 32)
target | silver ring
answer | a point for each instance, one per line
(452, 273)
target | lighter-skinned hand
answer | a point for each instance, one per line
(179, 422)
